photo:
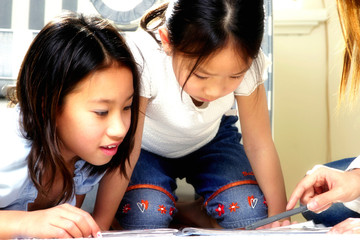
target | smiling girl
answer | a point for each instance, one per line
(72, 127)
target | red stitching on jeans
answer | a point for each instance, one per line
(220, 209)
(126, 208)
(162, 209)
(171, 211)
(252, 201)
(233, 207)
(234, 184)
(265, 202)
(139, 186)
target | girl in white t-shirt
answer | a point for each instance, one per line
(72, 127)
(210, 59)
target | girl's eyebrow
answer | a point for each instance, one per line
(130, 97)
(101, 100)
(242, 72)
(105, 100)
(235, 74)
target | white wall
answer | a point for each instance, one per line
(308, 50)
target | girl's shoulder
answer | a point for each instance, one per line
(255, 76)
(142, 45)
(152, 61)
(14, 148)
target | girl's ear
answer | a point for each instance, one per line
(164, 37)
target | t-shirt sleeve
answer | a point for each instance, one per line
(256, 75)
(146, 52)
(84, 183)
(12, 180)
(13, 164)
(145, 82)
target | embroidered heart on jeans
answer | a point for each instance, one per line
(143, 205)
(252, 201)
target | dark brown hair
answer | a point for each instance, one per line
(64, 52)
(200, 28)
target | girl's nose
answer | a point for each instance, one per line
(214, 91)
(116, 128)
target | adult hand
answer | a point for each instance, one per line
(350, 225)
(63, 221)
(324, 186)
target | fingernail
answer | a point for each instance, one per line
(98, 235)
(312, 205)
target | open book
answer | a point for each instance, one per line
(300, 228)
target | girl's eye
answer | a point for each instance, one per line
(237, 77)
(127, 108)
(101, 113)
(199, 76)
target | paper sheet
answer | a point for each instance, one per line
(301, 231)
(301, 228)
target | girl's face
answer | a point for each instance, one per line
(96, 116)
(216, 77)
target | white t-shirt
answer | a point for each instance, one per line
(174, 126)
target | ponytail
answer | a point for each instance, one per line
(151, 17)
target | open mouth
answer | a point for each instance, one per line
(109, 150)
(110, 146)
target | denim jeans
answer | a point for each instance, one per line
(219, 171)
(337, 212)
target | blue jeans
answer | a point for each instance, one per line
(220, 172)
(337, 212)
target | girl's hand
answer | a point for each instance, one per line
(350, 225)
(324, 186)
(63, 221)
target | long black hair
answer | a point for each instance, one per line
(200, 28)
(64, 52)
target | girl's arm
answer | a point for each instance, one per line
(63, 221)
(113, 185)
(260, 148)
